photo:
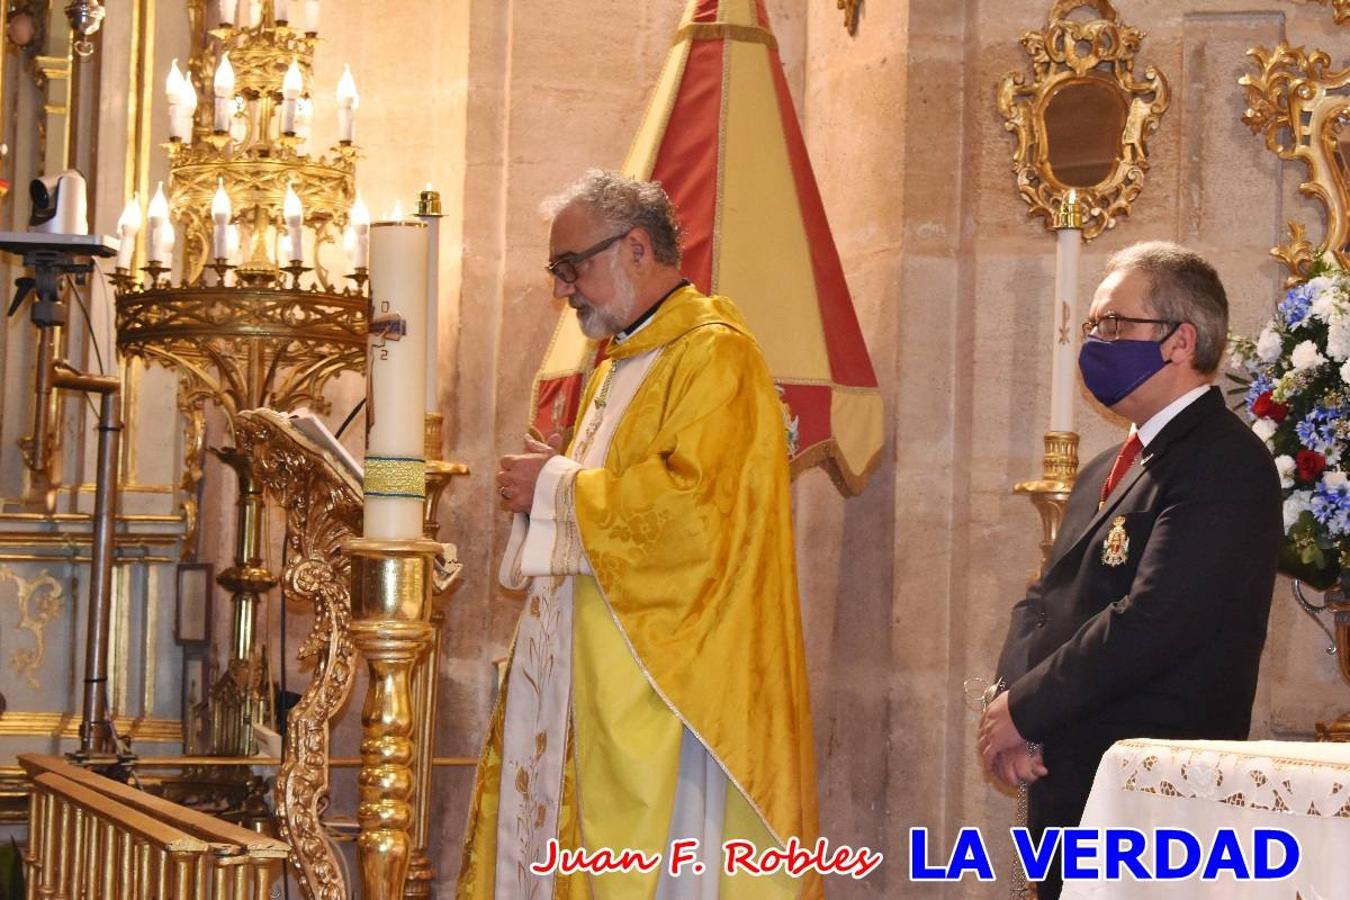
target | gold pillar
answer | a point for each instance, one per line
(391, 609)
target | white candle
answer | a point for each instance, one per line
(188, 108)
(220, 219)
(128, 226)
(157, 216)
(1064, 362)
(224, 91)
(227, 9)
(255, 13)
(304, 124)
(348, 101)
(295, 220)
(395, 468)
(166, 238)
(173, 88)
(280, 13)
(433, 223)
(291, 86)
(360, 225)
(311, 16)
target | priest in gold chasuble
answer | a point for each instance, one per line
(657, 690)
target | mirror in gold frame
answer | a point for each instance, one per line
(1082, 119)
(1302, 107)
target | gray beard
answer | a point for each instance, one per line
(597, 325)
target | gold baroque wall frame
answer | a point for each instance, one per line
(1082, 120)
(1302, 107)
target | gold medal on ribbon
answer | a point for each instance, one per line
(1116, 547)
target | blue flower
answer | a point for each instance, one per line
(1295, 305)
(1320, 430)
(1260, 384)
(1331, 507)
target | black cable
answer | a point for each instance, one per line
(351, 415)
(93, 338)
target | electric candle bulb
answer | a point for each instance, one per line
(348, 102)
(220, 218)
(187, 108)
(311, 17)
(291, 86)
(157, 216)
(304, 123)
(254, 13)
(173, 87)
(227, 9)
(128, 226)
(280, 12)
(166, 238)
(360, 226)
(295, 217)
(224, 91)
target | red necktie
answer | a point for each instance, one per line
(1128, 454)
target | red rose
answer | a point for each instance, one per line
(1263, 407)
(1310, 464)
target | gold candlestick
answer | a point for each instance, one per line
(1051, 492)
(391, 606)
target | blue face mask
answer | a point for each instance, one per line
(1113, 369)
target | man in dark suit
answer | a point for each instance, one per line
(1150, 615)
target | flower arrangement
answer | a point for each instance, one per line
(1294, 379)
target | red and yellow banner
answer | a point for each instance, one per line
(722, 137)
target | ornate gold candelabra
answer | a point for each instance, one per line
(245, 324)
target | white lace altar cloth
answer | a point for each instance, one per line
(1202, 786)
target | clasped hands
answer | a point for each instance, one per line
(1004, 753)
(518, 473)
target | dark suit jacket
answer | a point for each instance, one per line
(1167, 643)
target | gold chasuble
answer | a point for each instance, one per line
(656, 695)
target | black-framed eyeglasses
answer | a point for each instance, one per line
(1108, 326)
(565, 266)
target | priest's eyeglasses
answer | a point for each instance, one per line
(1108, 327)
(565, 266)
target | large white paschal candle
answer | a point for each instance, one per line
(1064, 361)
(157, 217)
(395, 466)
(220, 221)
(348, 101)
(128, 226)
(223, 86)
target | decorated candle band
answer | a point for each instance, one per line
(395, 476)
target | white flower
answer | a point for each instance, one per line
(1264, 428)
(1333, 478)
(1326, 300)
(1345, 373)
(1295, 505)
(1305, 356)
(1284, 464)
(1338, 340)
(1269, 345)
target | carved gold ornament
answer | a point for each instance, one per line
(39, 600)
(851, 9)
(1302, 106)
(323, 508)
(1339, 8)
(1083, 119)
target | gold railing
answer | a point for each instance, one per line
(90, 836)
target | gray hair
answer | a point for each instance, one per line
(1183, 287)
(625, 202)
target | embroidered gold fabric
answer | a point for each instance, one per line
(387, 476)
